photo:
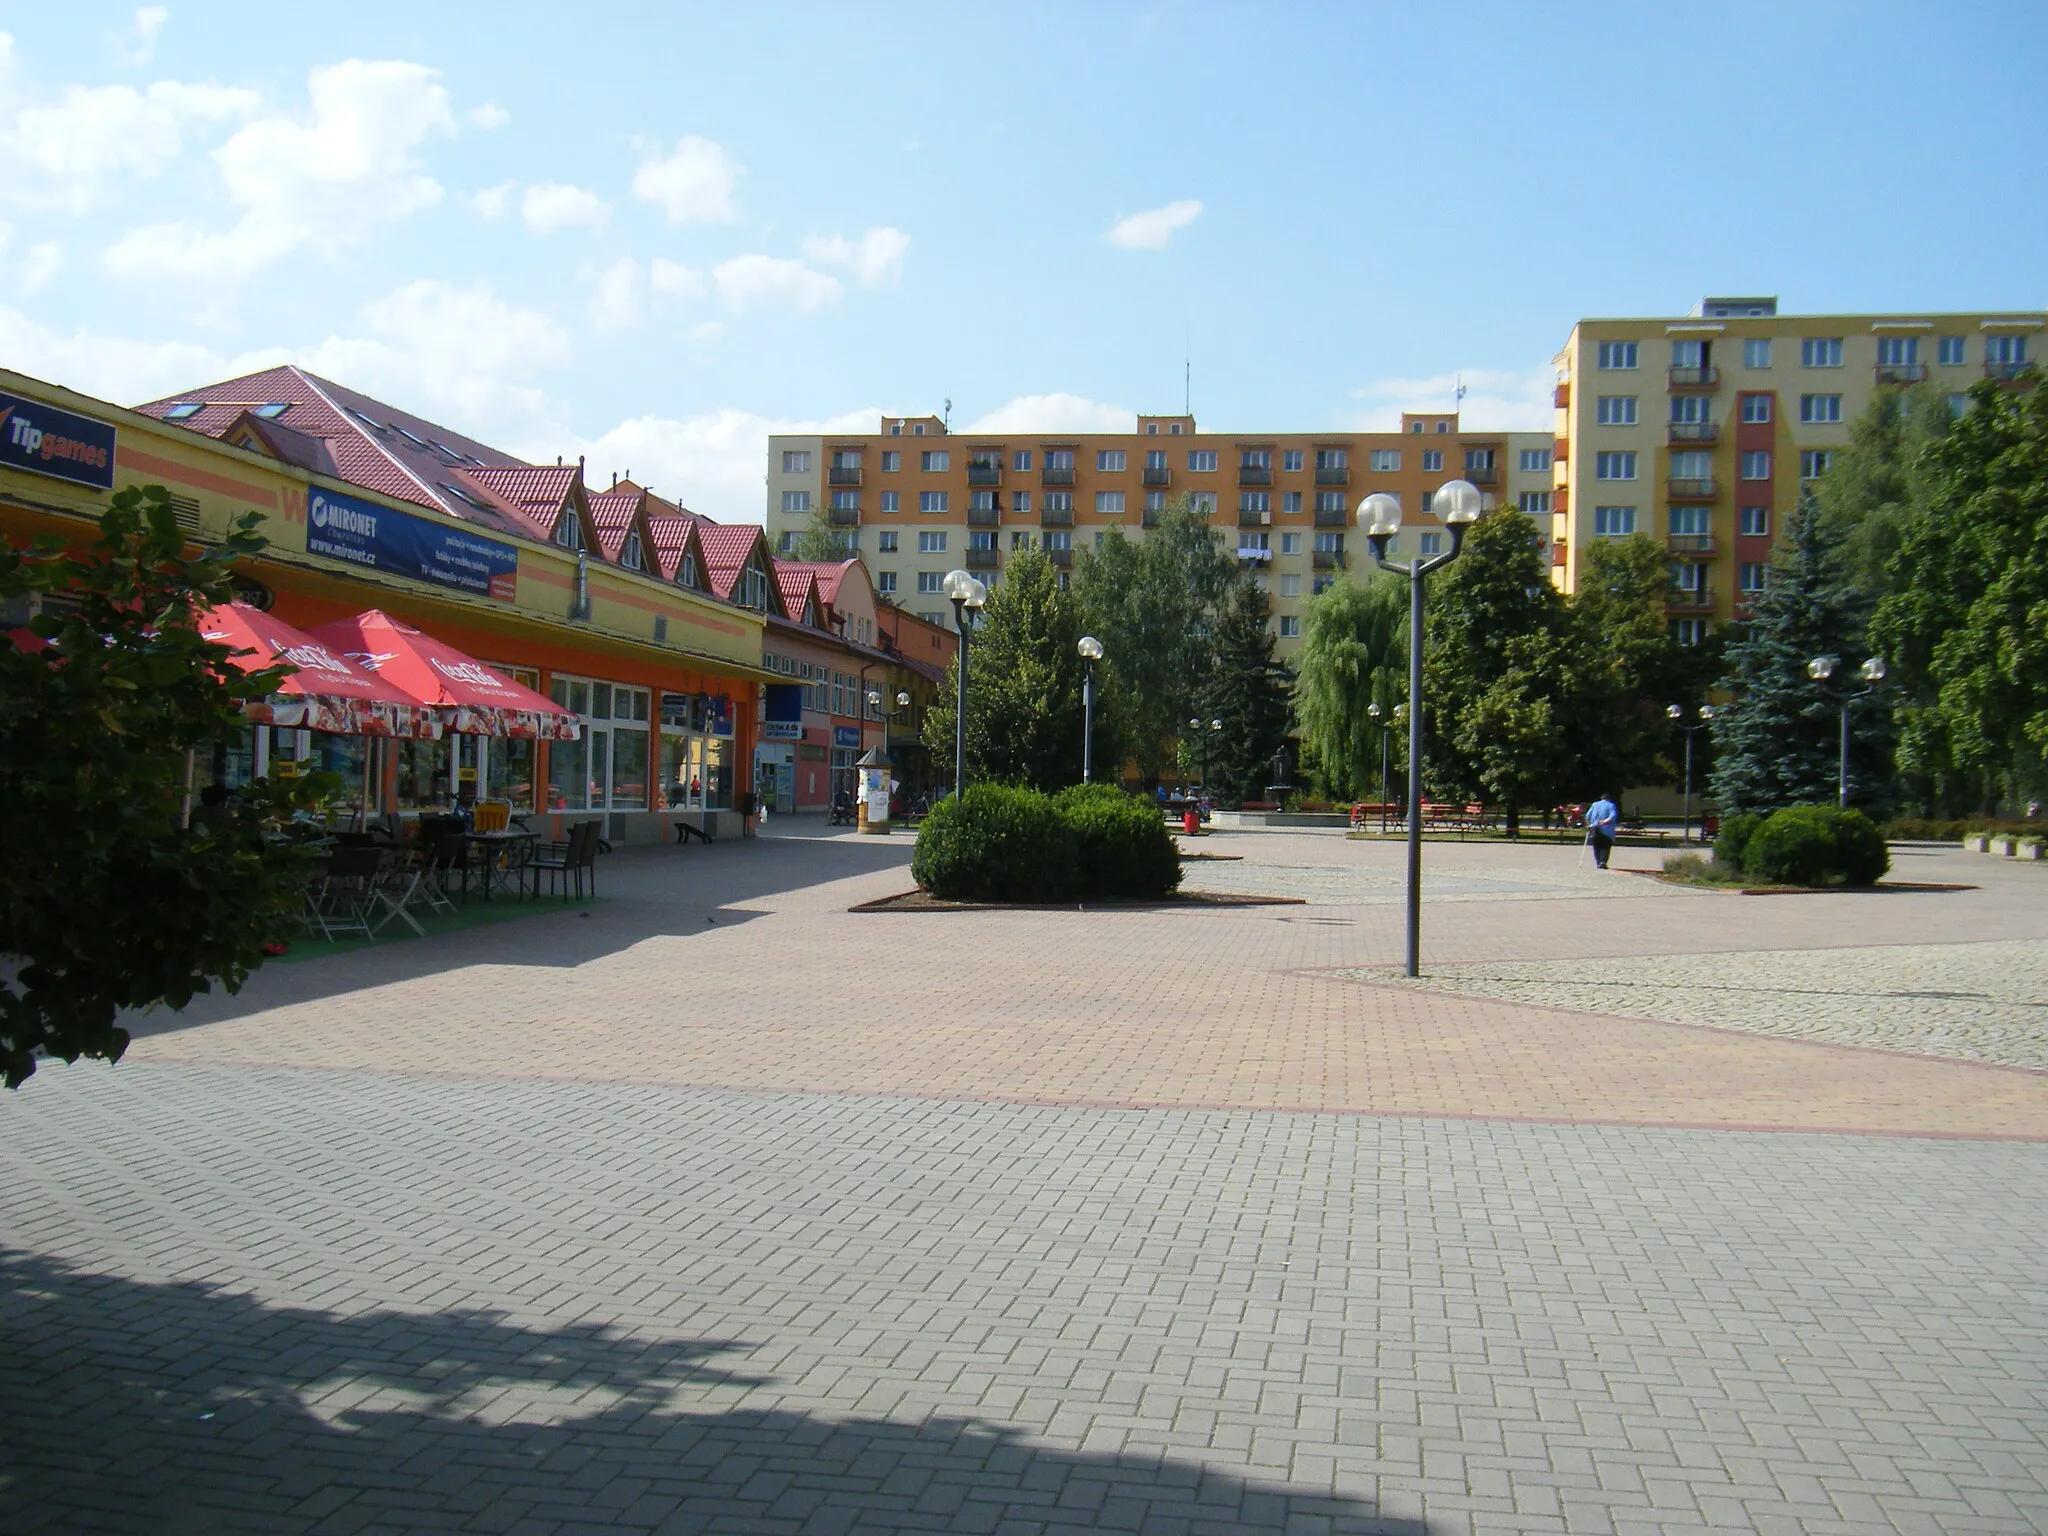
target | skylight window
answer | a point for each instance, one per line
(273, 410)
(184, 410)
(372, 423)
(412, 437)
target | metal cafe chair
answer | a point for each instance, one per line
(343, 894)
(563, 861)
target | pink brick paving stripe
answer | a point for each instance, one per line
(787, 991)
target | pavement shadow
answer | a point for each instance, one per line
(176, 1408)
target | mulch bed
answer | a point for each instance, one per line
(1881, 888)
(1185, 901)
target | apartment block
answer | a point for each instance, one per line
(1702, 429)
(915, 500)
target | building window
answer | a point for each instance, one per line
(1258, 502)
(1329, 543)
(1688, 631)
(1534, 460)
(1534, 503)
(1290, 501)
(1949, 351)
(846, 501)
(1753, 575)
(630, 557)
(1756, 409)
(1201, 461)
(1155, 501)
(1688, 522)
(981, 538)
(1385, 461)
(1479, 461)
(1326, 501)
(1202, 503)
(1688, 354)
(1614, 522)
(568, 530)
(1616, 410)
(1290, 461)
(1428, 502)
(1290, 586)
(1692, 464)
(931, 501)
(1290, 543)
(1756, 522)
(1057, 538)
(934, 461)
(1332, 458)
(1898, 351)
(885, 542)
(2005, 352)
(1614, 466)
(1290, 626)
(892, 462)
(1432, 461)
(1323, 584)
(1020, 501)
(886, 582)
(796, 461)
(1110, 503)
(1756, 464)
(1155, 458)
(1617, 354)
(1957, 404)
(981, 501)
(1756, 353)
(1021, 461)
(797, 502)
(932, 542)
(1109, 461)
(931, 581)
(1020, 539)
(917, 429)
(1059, 458)
(1689, 577)
(785, 543)
(1059, 501)
(1815, 462)
(1432, 544)
(891, 501)
(1820, 409)
(1255, 543)
(1692, 410)
(1820, 352)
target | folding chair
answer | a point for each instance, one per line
(347, 892)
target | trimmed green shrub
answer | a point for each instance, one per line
(1916, 829)
(1817, 845)
(1733, 839)
(1121, 844)
(1004, 843)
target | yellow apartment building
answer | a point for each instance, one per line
(1701, 429)
(915, 500)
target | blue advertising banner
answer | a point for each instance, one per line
(380, 539)
(784, 717)
(845, 735)
(41, 438)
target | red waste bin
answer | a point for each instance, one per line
(1191, 821)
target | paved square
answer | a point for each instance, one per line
(724, 1209)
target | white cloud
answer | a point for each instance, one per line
(1055, 413)
(876, 257)
(549, 207)
(115, 367)
(747, 282)
(1496, 400)
(615, 302)
(1153, 229)
(492, 202)
(704, 330)
(695, 183)
(713, 463)
(489, 117)
(68, 153)
(673, 279)
(39, 264)
(138, 44)
(351, 161)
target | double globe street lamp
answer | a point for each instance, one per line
(1091, 652)
(1676, 713)
(1207, 736)
(1871, 673)
(1458, 504)
(966, 592)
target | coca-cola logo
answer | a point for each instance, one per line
(468, 672)
(315, 658)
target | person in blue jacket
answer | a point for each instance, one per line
(1602, 817)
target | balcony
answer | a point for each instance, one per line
(1689, 490)
(1482, 475)
(1056, 517)
(1340, 475)
(1158, 478)
(843, 517)
(1561, 499)
(1690, 600)
(1694, 378)
(1561, 397)
(1557, 553)
(1253, 474)
(982, 559)
(1561, 449)
(2007, 371)
(1253, 552)
(1051, 476)
(838, 476)
(1333, 517)
(1254, 519)
(1695, 545)
(1328, 559)
(1901, 373)
(1695, 432)
(984, 517)
(1149, 518)
(983, 472)
(1060, 559)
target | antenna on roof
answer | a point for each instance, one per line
(558, 461)
(1187, 373)
(946, 417)
(1458, 394)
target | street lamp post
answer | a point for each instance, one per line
(1207, 736)
(1091, 652)
(1820, 669)
(1677, 713)
(966, 592)
(1458, 504)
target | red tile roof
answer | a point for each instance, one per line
(727, 549)
(799, 589)
(616, 513)
(829, 573)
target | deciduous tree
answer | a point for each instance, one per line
(1354, 654)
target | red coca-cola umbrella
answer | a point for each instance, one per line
(471, 698)
(327, 692)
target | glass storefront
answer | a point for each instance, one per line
(607, 769)
(426, 774)
(696, 771)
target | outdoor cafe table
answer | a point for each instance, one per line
(493, 846)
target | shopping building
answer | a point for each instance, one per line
(915, 500)
(1702, 429)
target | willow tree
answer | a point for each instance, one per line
(1354, 654)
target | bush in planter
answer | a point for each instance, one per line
(1816, 845)
(996, 843)
(1121, 845)
(1733, 838)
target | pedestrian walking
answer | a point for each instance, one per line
(1602, 816)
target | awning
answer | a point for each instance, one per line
(471, 699)
(326, 693)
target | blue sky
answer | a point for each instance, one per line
(653, 234)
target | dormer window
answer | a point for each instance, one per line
(687, 574)
(810, 613)
(630, 556)
(569, 530)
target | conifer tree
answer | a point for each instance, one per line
(1247, 689)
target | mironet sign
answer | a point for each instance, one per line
(383, 539)
(39, 437)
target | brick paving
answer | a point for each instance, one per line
(723, 1209)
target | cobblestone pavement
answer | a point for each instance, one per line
(1974, 1002)
(720, 1208)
